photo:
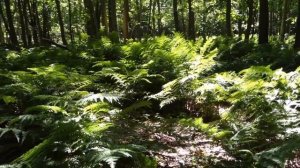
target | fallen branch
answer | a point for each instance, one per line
(55, 43)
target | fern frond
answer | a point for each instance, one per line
(110, 97)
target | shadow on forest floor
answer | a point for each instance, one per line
(170, 143)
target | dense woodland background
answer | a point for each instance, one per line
(149, 83)
(29, 23)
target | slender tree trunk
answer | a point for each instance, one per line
(126, 19)
(4, 19)
(70, 21)
(104, 22)
(285, 8)
(191, 31)
(26, 19)
(228, 18)
(183, 26)
(22, 22)
(204, 17)
(297, 40)
(263, 22)
(61, 23)
(159, 25)
(2, 39)
(153, 17)
(175, 14)
(36, 22)
(12, 31)
(46, 22)
(150, 12)
(113, 27)
(250, 19)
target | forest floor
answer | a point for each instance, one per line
(170, 143)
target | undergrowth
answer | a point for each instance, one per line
(55, 104)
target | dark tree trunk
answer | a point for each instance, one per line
(113, 27)
(228, 18)
(153, 17)
(103, 9)
(159, 25)
(61, 23)
(91, 23)
(26, 19)
(36, 22)
(2, 40)
(191, 31)
(250, 19)
(175, 14)
(126, 19)
(10, 21)
(98, 14)
(4, 19)
(297, 40)
(32, 23)
(22, 22)
(263, 22)
(183, 26)
(46, 21)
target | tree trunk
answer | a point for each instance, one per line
(103, 9)
(191, 30)
(32, 22)
(153, 17)
(250, 19)
(22, 22)
(46, 21)
(126, 19)
(228, 18)
(285, 8)
(61, 23)
(297, 40)
(4, 19)
(70, 21)
(159, 25)
(113, 27)
(91, 23)
(26, 19)
(263, 37)
(2, 39)
(10, 21)
(183, 26)
(176, 17)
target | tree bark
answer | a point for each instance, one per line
(126, 19)
(46, 21)
(103, 9)
(10, 21)
(4, 19)
(26, 19)
(228, 18)
(113, 27)
(175, 14)
(297, 40)
(91, 23)
(283, 26)
(22, 22)
(61, 23)
(2, 39)
(159, 25)
(263, 37)
(250, 19)
(70, 21)
(191, 28)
